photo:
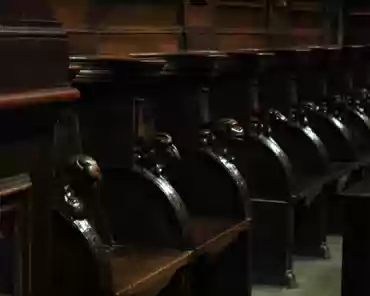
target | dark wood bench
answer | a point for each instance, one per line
(213, 243)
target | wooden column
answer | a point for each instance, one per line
(34, 71)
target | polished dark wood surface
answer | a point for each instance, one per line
(98, 28)
(213, 235)
(16, 10)
(31, 39)
(33, 54)
(13, 185)
(40, 96)
(137, 272)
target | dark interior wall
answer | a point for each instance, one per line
(356, 20)
(118, 27)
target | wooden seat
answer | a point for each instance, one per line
(359, 189)
(212, 235)
(338, 169)
(137, 270)
(141, 271)
(309, 188)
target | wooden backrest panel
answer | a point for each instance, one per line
(111, 17)
(237, 41)
(121, 27)
(18, 10)
(306, 19)
(239, 17)
(123, 44)
(74, 14)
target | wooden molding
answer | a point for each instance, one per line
(241, 31)
(62, 94)
(251, 4)
(364, 13)
(14, 185)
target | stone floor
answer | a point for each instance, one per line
(315, 277)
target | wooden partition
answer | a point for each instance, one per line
(120, 27)
(112, 27)
(356, 22)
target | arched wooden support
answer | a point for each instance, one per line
(206, 176)
(215, 223)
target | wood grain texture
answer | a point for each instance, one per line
(143, 271)
(236, 41)
(124, 44)
(126, 27)
(211, 236)
(13, 185)
(138, 272)
(21, 99)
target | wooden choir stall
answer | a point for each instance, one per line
(34, 89)
(180, 148)
(88, 204)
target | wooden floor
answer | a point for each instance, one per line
(315, 277)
